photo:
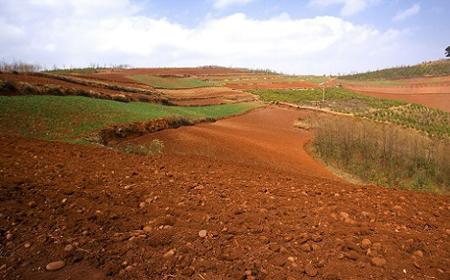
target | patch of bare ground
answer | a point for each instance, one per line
(434, 93)
(236, 199)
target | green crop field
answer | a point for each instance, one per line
(172, 82)
(337, 99)
(71, 118)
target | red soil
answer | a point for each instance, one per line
(272, 85)
(92, 90)
(433, 96)
(119, 79)
(269, 211)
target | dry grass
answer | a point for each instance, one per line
(384, 154)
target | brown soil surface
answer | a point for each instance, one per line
(40, 80)
(260, 208)
(433, 96)
(119, 79)
(101, 91)
(207, 96)
(272, 85)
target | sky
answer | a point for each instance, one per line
(290, 36)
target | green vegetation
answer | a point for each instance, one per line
(171, 82)
(71, 118)
(336, 99)
(156, 147)
(434, 68)
(313, 79)
(430, 121)
(383, 154)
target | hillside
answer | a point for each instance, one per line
(432, 68)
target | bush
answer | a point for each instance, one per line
(384, 154)
(156, 147)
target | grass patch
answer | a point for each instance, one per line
(433, 122)
(171, 82)
(434, 68)
(337, 99)
(70, 118)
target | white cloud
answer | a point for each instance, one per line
(411, 11)
(222, 4)
(49, 33)
(349, 7)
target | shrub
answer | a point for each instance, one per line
(383, 153)
(156, 147)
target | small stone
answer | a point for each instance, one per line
(377, 261)
(68, 248)
(305, 247)
(310, 270)
(148, 229)
(9, 236)
(352, 255)
(142, 205)
(55, 265)
(169, 254)
(365, 243)
(418, 253)
(316, 238)
(32, 204)
(202, 233)
(344, 215)
(129, 268)
(27, 245)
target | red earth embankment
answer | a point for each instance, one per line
(435, 94)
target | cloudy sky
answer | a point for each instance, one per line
(292, 36)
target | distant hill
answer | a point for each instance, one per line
(425, 69)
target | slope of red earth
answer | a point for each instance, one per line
(207, 96)
(272, 85)
(101, 91)
(115, 78)
(253, 210)
(433, 92)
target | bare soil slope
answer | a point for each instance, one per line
(264, 137)
(432, 92)
(198, 216)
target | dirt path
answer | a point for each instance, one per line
(265, 137)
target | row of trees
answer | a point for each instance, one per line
(382, 153)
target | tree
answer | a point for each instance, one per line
(447, 51)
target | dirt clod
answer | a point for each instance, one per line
(57, 265)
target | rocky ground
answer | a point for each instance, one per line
(79, 212)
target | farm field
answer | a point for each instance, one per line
(406, 83)
(219, 173)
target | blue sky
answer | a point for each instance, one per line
(292, 36)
